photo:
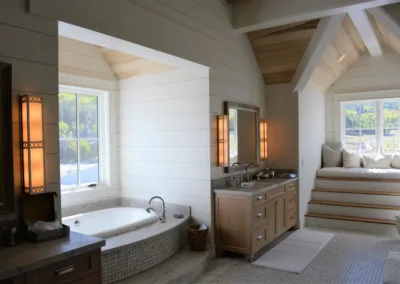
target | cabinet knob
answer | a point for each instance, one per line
(259, 197)
(291, 200)
(259, 215)
(259, 237)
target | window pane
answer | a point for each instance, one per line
(368, 116)
(89, 161)
(67, 111)
(68, 163)
(390, 140)
(368, 141)
(353, 140)
(390, 115)
(353, 116)
(88, 116)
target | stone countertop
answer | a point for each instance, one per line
(28, 256)
(260, 186)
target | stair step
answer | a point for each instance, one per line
(183, 267)
(353, 204)
(358, 185)
(351, 218)
(353, 191)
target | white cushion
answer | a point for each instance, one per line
(351, 160)
(331, 157)
(396, 162)
(383, 174)
(377, 162)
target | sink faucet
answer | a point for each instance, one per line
(162, 218)
(247, 170)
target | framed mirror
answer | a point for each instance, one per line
(244, 134)
(6, 143)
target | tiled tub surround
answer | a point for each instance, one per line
(133, 252)
(130, 253)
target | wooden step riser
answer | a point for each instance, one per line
(358, 185)
(357, 198)
(388, 230)
(353, 211)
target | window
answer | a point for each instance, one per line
(80, 132)
(371, 127)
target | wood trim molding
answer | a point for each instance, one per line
(353, 204)
(351, 191)
(358, 179)
(351, 218)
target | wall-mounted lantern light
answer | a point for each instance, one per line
(32, 144)
(263, 140)
(223, 136)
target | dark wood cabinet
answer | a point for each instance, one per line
(81, 269)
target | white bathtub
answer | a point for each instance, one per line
(110, 222)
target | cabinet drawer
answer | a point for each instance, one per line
(272, 193)
(290, 186)
(67, 270)
(259, 214)
(291, 200)
(258, 199)
(259, 238)
(291, 218)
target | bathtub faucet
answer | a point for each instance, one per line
(162, 218)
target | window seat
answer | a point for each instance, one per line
(359, 174)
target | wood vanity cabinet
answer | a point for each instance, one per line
(245, 224)
(81, 269)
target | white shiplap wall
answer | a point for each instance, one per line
(196, 30)
(311, 138)
(82, 65)
(29, 43)
(368, 78)
(164, 133)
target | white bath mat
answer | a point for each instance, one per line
(296, 252)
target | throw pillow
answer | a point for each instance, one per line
(351, 160)
(331, 157)
(396, 162)
(377, 162)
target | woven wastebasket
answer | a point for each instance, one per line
(197, 238)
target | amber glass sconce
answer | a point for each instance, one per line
(263, 140)
(32, 144)
(223, 134)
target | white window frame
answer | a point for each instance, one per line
(379, 121)
(103, 137)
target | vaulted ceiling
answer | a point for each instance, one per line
(279, 50)
(88, 60)
(126, 65)
(318, 51)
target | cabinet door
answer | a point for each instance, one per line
(276, 217)
(280, 215)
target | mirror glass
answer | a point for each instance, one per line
(243, 133)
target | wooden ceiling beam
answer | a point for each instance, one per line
(366, 31)
(322, 37)
(261, 14)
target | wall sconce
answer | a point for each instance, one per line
(223, 134)
(32, 144)
(263, 140)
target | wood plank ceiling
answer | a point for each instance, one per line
(279, 50)
(126, 65)
(345, 48)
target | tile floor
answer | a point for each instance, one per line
(349, 258)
